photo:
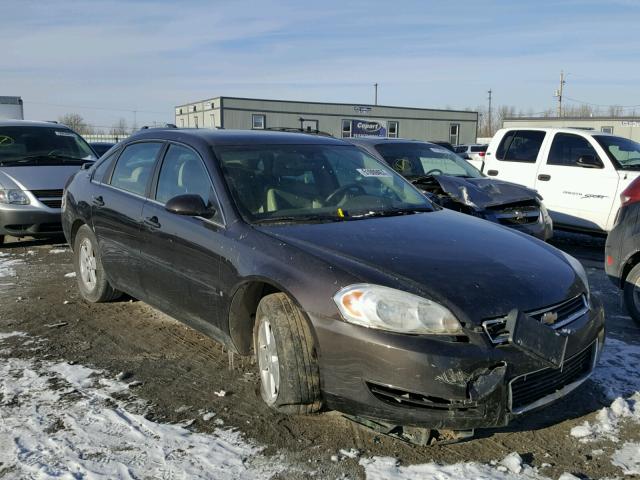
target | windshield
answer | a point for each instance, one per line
(414, 160)
(622, 151)
(26, 145)
(272, 183)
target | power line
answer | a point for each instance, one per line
(600, 105)
(130, 110)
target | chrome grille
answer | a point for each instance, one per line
(556, 316)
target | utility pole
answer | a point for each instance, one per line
(558, 93)
(375, 89)
(489, 113)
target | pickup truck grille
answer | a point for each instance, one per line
(532, 387)
(51, 198)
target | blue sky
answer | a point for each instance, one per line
(148, 56)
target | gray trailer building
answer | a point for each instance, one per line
(11, 108)
(628, 127)
(338, 119)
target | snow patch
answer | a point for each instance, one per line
(58, 250)
(628, 458)
(509, 468)
(70, 275)
(60, 420)
(617, 370)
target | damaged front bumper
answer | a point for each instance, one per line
(457, 383)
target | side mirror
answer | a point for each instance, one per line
(189, 205)
(589, 161)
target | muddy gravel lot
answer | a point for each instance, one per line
(178, 372)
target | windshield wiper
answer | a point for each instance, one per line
(394, 212)
(298, 218)
(41, 156)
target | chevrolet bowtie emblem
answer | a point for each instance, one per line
(549, 318)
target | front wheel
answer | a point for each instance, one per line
(632, 293)
(284, 347)
(92, 281)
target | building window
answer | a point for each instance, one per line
(309, 125)
(454, 133)
(346, 128)
(195, 122)
(607, 130)
(182, 122)
(194, 108)
(258, 121)
(213, 120)
(213, 105)
(180, 111)
(393, 129)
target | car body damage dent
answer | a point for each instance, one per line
(454, 377)
(486, 382)
(478, 193)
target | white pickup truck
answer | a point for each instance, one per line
(579, 173)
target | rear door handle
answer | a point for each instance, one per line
(493, 173)
(98, 201)
(152, 222)
(544, 177)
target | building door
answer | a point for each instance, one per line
(454, 133)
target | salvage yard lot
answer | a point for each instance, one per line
(121, 390)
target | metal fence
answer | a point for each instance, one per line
(103, 137)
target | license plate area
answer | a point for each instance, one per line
(536, 339)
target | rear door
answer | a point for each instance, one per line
(117, 203)
(182, 254)
(576, 196)
(517, 157)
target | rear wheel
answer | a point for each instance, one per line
(92, 281)
(632, 293)
(284, 347)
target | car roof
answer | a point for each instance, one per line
(235, 137)
(31, 123)
(381, 140)
(585, 131)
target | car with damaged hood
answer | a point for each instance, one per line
(36, 160)
(453, 183)
(352, 290)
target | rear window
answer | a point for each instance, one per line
(479, 148)
(520, 146)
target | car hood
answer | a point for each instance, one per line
(483, 192)
(478, 269)
(37, 177)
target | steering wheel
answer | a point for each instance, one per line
(434, 170)
(350, 187)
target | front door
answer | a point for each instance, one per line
(182, 254)
(116, 212)
(576, 196)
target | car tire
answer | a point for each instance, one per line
(92, 280)
(286, 357)
(632, 293)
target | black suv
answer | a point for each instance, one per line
(351, 288)
(622, 251)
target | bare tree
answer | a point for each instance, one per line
(119, 129)
(76, 122)
(615, 111)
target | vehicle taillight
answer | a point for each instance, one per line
(481, 154)
(631, 194)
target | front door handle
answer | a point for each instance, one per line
(152, 222)
(544, 177)
(493, 173)
(98, 201)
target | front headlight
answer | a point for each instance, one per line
(389, 309)
(579, 269)
(14, 197)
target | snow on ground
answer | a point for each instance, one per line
(7, 269)
(58, 250)
(60, 420)
(628, 458)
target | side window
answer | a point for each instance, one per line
(567, 148)
(182, 173)
(103, 168)
(135, 166)
(520, 146)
